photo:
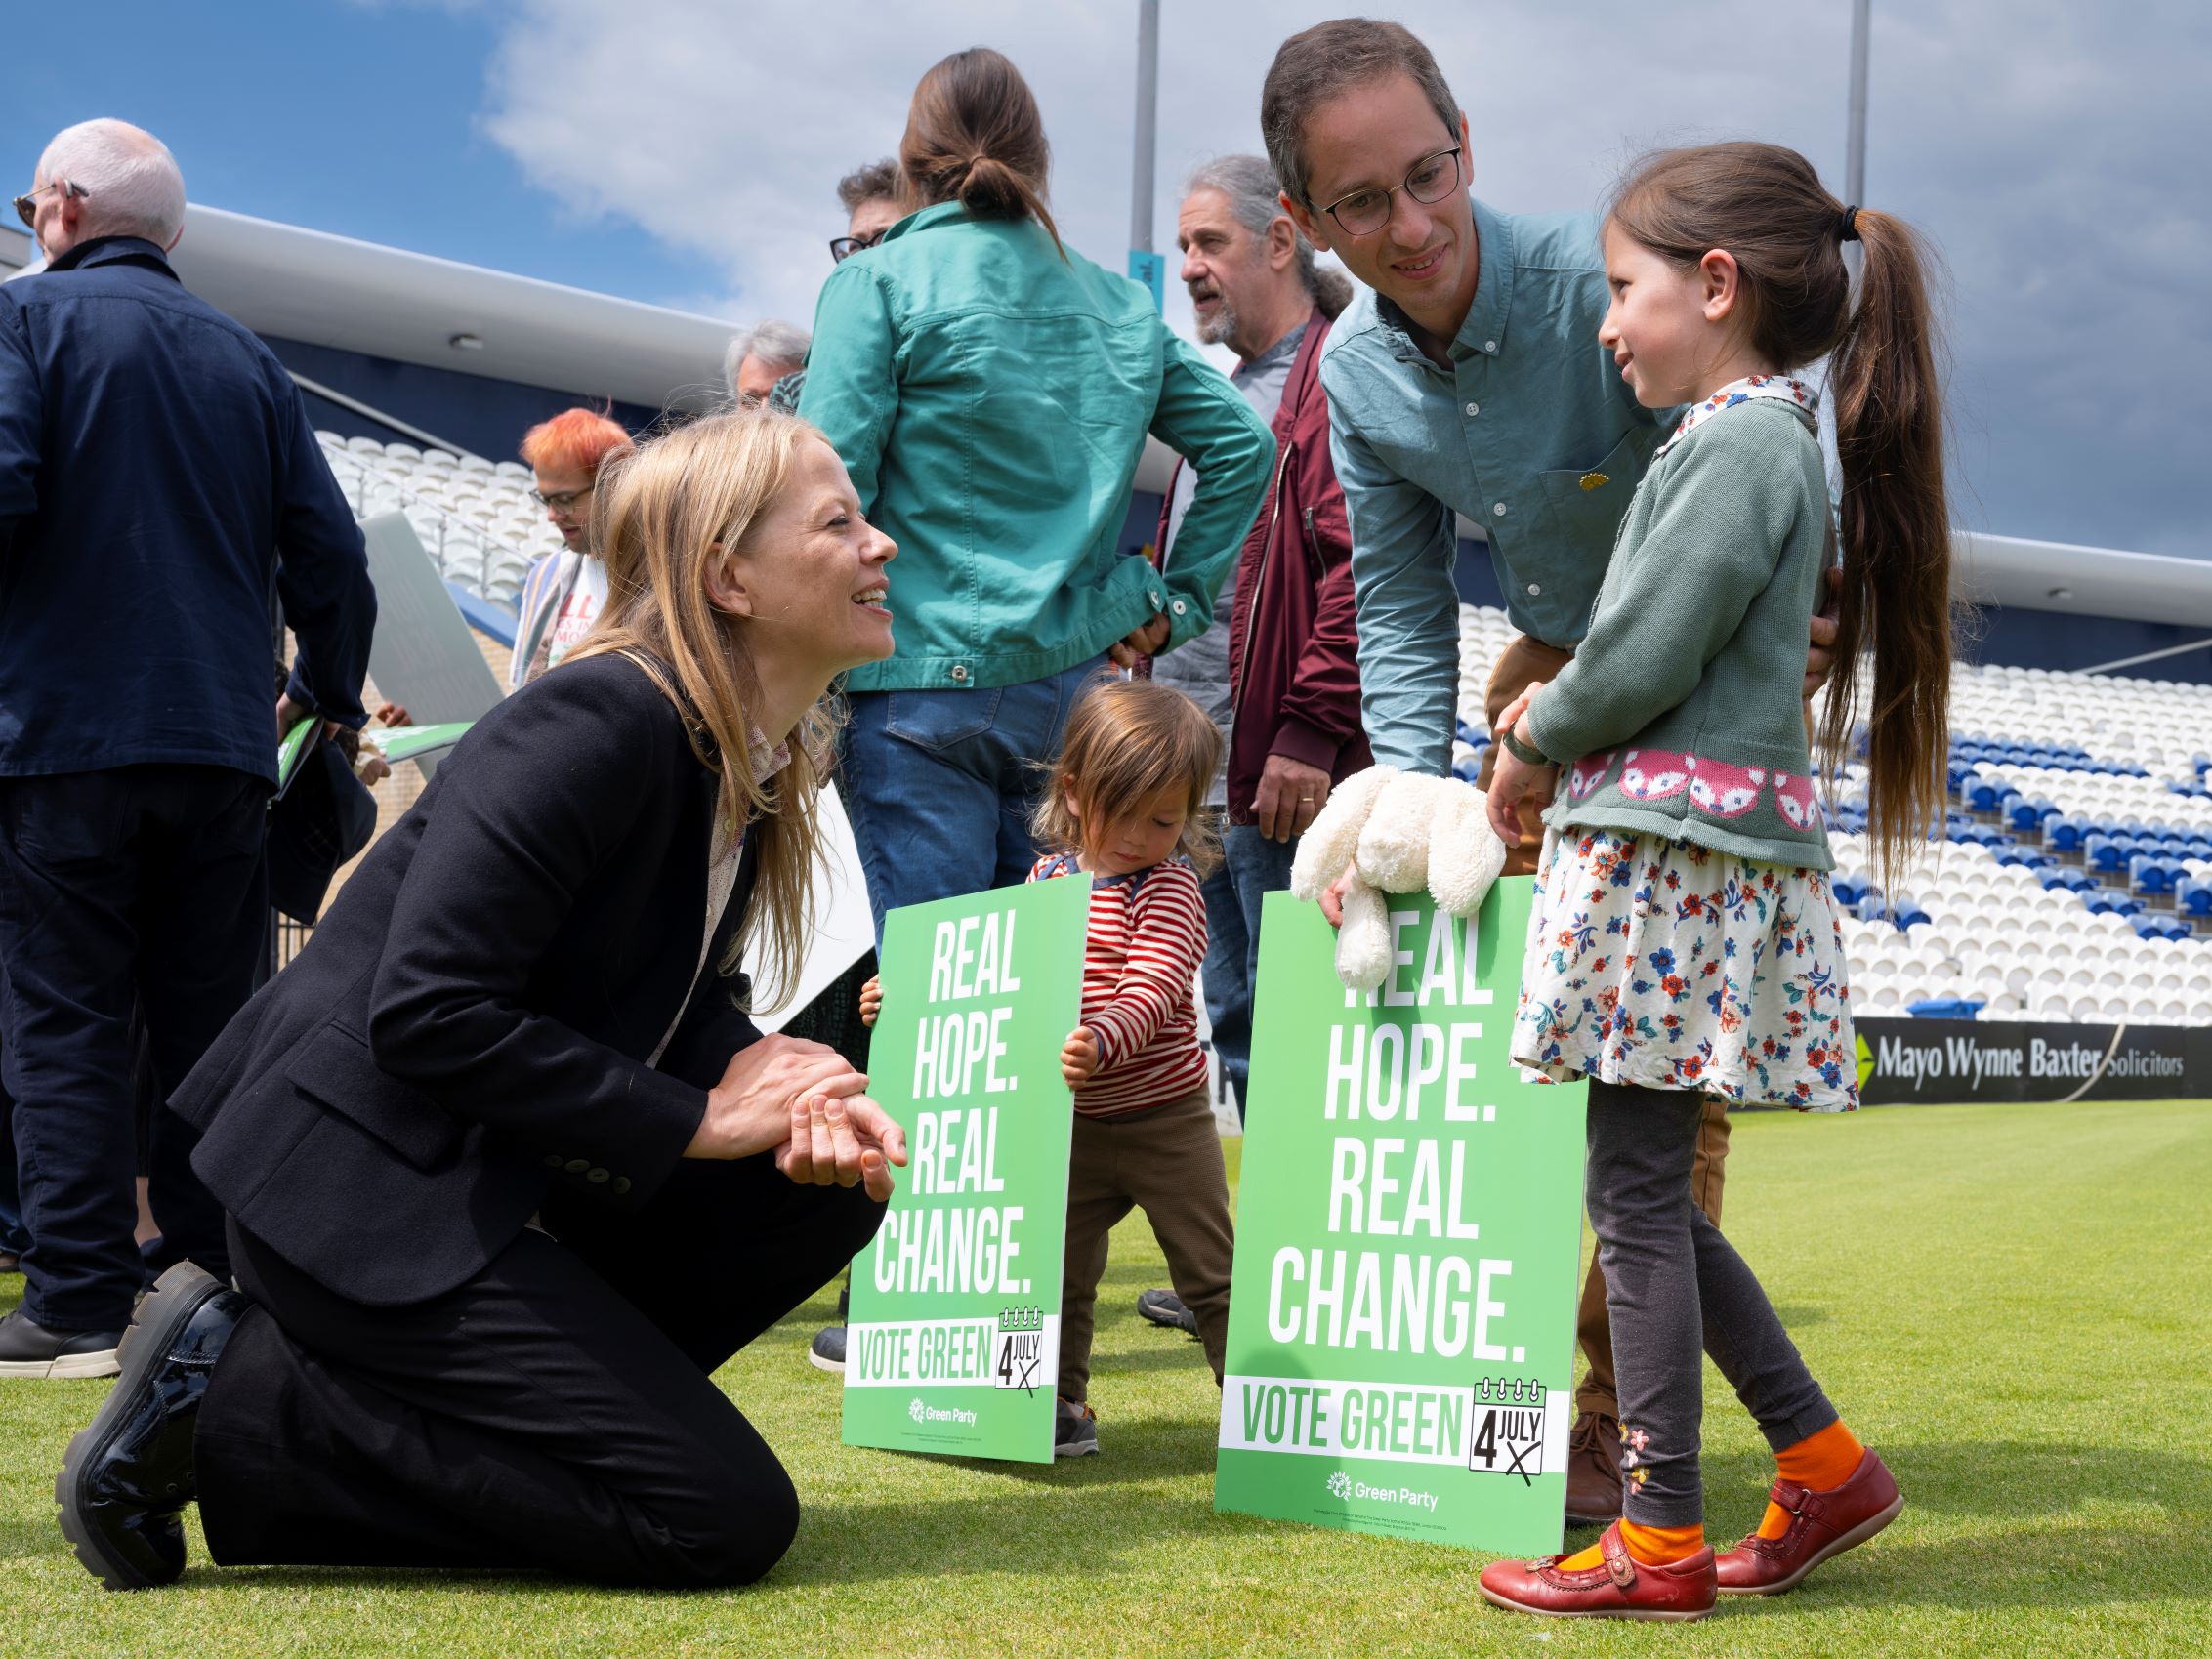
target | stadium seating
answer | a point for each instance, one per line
(475, 516)
(2073, 879)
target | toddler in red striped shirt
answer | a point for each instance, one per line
(1124, 809)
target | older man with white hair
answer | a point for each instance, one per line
(1278, 669)
(760, 356)
(158, 480)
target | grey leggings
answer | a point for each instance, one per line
(1673, 1286)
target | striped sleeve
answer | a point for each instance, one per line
(1162, 938)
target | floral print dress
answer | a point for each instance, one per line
(1670, 966)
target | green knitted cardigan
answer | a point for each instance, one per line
(1680, 714)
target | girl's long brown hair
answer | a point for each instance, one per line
(973, 136)
(658, 515)
(1765, 206)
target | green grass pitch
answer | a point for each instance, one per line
(2013, 1303)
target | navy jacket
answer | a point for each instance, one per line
(155, 463)
(464, 1038)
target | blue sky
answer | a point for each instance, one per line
(686, 151)
(362, 120)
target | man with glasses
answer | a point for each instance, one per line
(1466, 380)
(158, 480)
(872, 205)
(565, 591)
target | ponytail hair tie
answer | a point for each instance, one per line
(1847, 227)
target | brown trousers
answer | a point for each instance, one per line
(1523, 663)
(1166, 1161)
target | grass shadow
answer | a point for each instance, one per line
(21, 1539)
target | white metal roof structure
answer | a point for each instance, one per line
(384, 301)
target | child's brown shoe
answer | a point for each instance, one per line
(1821, 1524)
(1618, 1588)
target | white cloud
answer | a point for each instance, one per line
(2052, 151)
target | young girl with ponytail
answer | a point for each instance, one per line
(1685, 939)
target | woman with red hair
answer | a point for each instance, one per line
(565, 592)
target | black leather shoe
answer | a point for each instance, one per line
(126, 1477)
(828, 1350)
(1165, 1307)
(28, 1348)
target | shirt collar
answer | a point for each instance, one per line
(926, 218)
(1750, 389)
(768, 759)
(111, 250)
(1482, 334)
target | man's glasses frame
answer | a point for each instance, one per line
(1367, 223)
(843, 248)
(26, 204)
(562, 501)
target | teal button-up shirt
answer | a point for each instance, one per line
(990, 399)
(1531, 434)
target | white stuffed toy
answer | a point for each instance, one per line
(1401, 832)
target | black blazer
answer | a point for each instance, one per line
(469, 1025)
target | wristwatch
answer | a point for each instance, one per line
(1526, 753)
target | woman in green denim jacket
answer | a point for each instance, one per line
(990, 392)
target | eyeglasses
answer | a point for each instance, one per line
(563, 500)
(843, 248)
(27, 206)
(1430, 180)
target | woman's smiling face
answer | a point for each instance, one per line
(809, 572)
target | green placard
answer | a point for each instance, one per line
(1402, 1313)
(952, 1342)
(412, 742)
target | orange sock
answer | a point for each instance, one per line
(1817, 1463)
(1654, 1545)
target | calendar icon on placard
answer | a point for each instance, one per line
(1018, 1349)
(1509, 1428)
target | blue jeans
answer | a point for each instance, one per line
(1252, 866)
(939, 784)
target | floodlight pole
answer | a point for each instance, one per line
(1143, 265)
(1855, 142)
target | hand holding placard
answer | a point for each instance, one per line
(1079, 1056)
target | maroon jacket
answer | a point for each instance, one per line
(1293, 663)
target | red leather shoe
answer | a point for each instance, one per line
(1821, 1524)
(1619, 1587)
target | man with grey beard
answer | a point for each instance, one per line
(1277, 670)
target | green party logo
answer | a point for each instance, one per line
(1866, 1063)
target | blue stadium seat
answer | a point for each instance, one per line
(2149, 876)
(2063, 835)
(2192, 896)
(1944, 1007)
(1982, 794)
